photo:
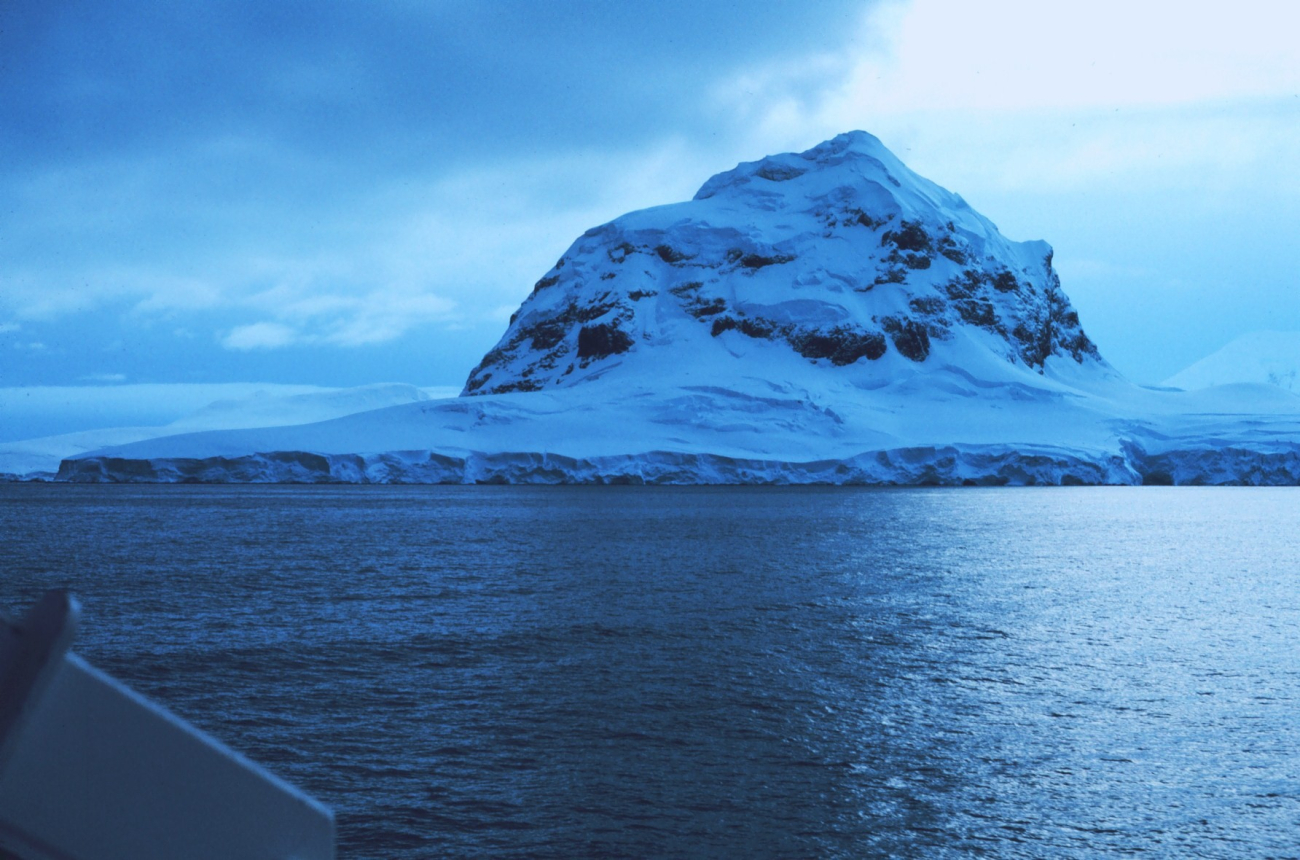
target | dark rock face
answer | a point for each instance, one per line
(910, 236)
(891, 275)
(547, 334)
(910, 338)
(599, 341)
(977, 312)
(842, 345)
(779, 172)
(550, 338)
(709, 308)
(758, 261)
(1005, 282)
(669, 254)
(752, 327)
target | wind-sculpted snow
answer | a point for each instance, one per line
(823, 317)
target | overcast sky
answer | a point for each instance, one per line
(352, 192)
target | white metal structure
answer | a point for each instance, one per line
(90, 770)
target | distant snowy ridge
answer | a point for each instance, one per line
(1270, 357)
(259, 408)
(270, 410)
(823, 317)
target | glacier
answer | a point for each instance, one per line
(818, 317)
(250, 406)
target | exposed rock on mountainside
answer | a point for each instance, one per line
(840, 254)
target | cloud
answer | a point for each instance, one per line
(1023, 55)
(383, 317)
(911, 63)
(414, 148)
(482, 237)
(401, 177)
(1011, 97)
(104, 377)
(431, 247)
(365, 83)
(336, 319)
(305, 185)
(261, 335)
(6, 328)
(1156, 143)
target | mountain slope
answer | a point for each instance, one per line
(259, 408)
(1269, 357)
(840, 254)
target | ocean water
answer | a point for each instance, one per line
(740, 672)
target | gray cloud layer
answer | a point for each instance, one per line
(344, 193)
(184, 180)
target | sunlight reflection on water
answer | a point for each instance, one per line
(713, 671)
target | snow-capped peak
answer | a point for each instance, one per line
(1266, 357)
(840, 257)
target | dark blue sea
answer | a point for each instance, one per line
(713, 672)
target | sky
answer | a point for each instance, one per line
(350, 192)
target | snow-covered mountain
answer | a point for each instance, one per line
(827, 316)
(840, 254)
(261, 407)
(1271, 357)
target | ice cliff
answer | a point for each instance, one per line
(826, 316)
